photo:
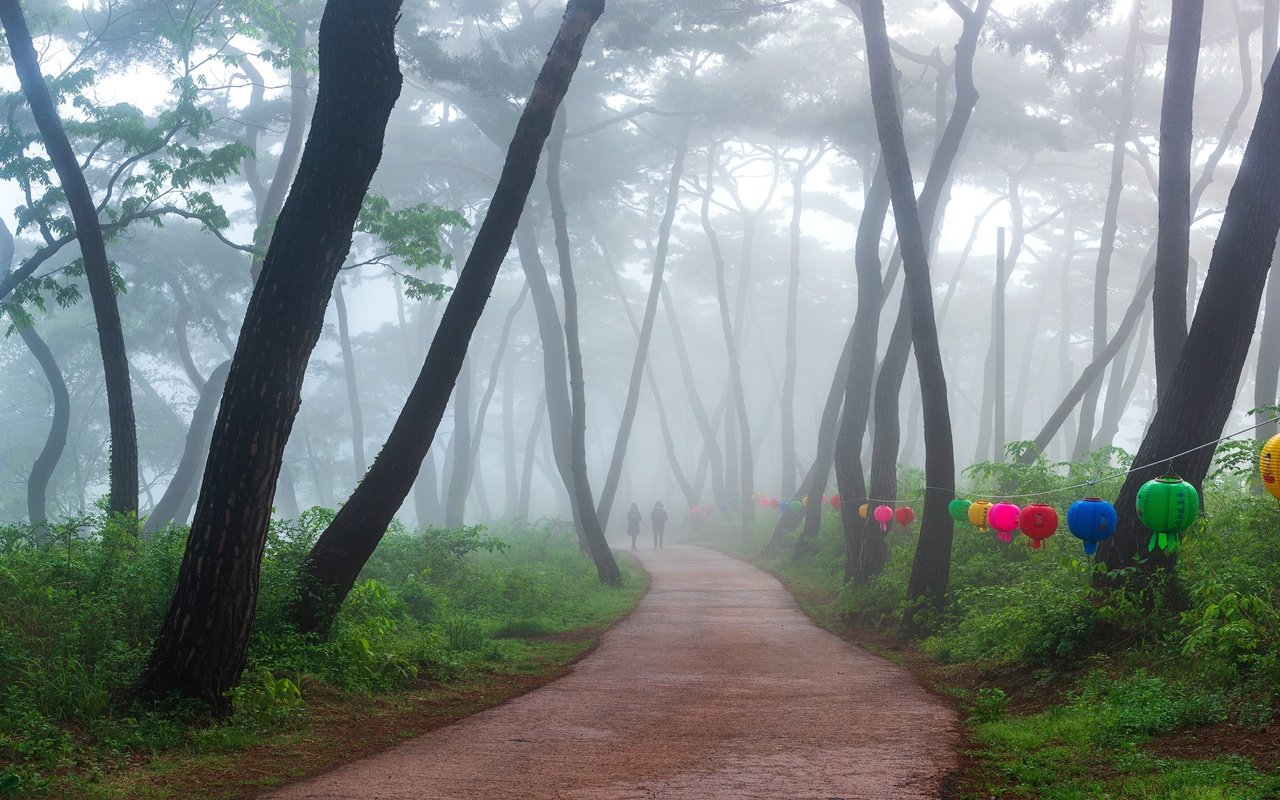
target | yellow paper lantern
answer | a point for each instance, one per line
(1269, 466)
(978, 511)
(864, 509)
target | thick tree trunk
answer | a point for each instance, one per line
(610, 489)
(331, 568)
(1173, 240)
(185, 484)
(97, 270)
(745, 467)
(353, 384)
(459, 458)
(931, 568)
(1208, 371)
(1110, 222)
(201, 648)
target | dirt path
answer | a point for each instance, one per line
(717, 686)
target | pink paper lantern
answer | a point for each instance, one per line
(1003, 519)
(764, 502)
(883, 515)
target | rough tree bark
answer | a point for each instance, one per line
(1173, 239)
(931, 567)
(331, 567)
(1208, 371)
(97, 270)
(201, 647)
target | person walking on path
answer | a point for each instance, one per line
(633, 523)
(659, 519)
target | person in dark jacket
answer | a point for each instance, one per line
(633, 523)
(659, 519)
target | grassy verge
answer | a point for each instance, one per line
(1064, 697)
(442, 624)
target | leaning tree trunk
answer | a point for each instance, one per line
(745, 472)
(932, 564)
(482, 411)
(177, 498)
(610, 489)
(593, 526)
(530, 455)
(353, 384)
(1110, 217)
(330, 569)
(1120, 389)
(1266, 381)
(842, 432)
(1173, 240)
(887, 428)
(97, 270)
(201, 648)
(56, 441)
(788, 400)
(715, 458)
(1208, 371)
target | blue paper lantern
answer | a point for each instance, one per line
(1091, 520)
(724, 506)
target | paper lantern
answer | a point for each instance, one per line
(1038, 522)
(959, 509)
(1091, 520)
(1167, 505)
(804, 501)
(835, 502)
(724, 506)
(1269, 465)
(1003, 519)
(764, 502)
(905, 516)
(884, 515)
(978, 511)
(864, 510)
(775, 502)
(695, 510)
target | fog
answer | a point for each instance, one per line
(767, 103)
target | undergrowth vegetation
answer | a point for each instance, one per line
(1066, 687)
(80, 602)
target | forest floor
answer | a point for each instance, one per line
(717, 685)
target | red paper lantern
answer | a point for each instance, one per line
(1038, 522)
(835, 502)
(905, 516)
(883, 515)
(1003, 519)
(774, 502)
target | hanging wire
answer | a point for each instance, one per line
(1168, 462)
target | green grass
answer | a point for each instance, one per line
(79, 606)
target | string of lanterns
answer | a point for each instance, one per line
(1166, 505)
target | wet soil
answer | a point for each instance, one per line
(717, 686)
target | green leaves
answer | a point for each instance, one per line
(407, 238)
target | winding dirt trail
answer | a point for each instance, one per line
(717, 686)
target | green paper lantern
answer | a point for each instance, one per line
(959, 509)
(1168, 506)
